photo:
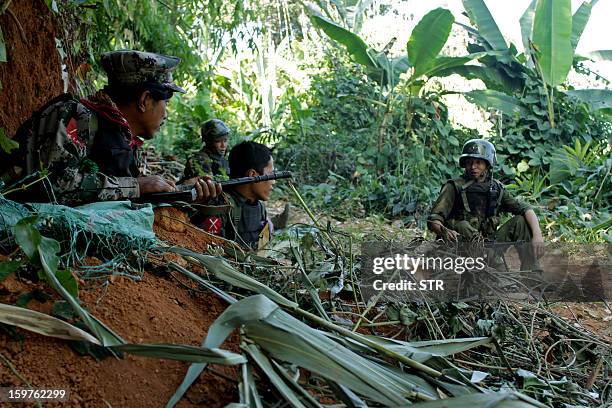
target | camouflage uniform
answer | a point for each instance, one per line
(451, 210)
(473, 208)
(206, 163)
(86, 147)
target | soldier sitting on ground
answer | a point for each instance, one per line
(88, 150)
(468, 207)
(210, 160)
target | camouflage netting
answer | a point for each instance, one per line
(116, 232)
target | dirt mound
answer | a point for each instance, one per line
(32, 74)
(156, 309)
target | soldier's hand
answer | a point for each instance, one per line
(205, 187)
(537, 243)
(450, 235)
(155, 184)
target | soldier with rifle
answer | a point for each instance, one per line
(468, 208)
(74, 151)
(242, 215)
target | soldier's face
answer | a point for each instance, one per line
(263, 189)
(475, 168)
(153, 117)
(219, 146)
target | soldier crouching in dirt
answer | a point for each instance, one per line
(76, 151)
(210, 160)
(468, 207)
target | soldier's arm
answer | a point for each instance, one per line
(536, 233)
(73, 177)
(518, 207)
(442, 208)
(72, 186)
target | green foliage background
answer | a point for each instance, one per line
(361, 137)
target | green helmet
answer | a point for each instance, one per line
(478, 149)
(214, 129)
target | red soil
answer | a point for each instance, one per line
(153, 310)
(32, 74)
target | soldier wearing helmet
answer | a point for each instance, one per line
(89, 148)
(210, 160)
(469, 206)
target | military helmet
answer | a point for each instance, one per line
(478, 149)
(214, 129)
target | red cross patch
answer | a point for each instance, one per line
(213, 225)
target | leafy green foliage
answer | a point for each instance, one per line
(334, 145)
(42, 251)
(6, 144)
(530, 137)
(7, 268)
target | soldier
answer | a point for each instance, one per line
(88, 150)
(210, 160)
(468, 207)
(248, 217)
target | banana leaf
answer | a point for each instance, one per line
(225, 272)
(42, 324)
(492, 78)
(580, 20)
(52, 327)
(600, 55)
(490, 99)
(356, 47)
(428, 39)
(487, 27)
(285, 389)
(287, 339)
(597, 98)
(552, 33)
(422, 351)
(526, 22)
(182, 352)
(492, 400)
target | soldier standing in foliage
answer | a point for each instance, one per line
(468, 207)
(88, 149)
(210, 160)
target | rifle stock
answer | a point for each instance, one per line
(188, 193)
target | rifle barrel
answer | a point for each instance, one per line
(188, 193)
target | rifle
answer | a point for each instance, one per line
(189, 194)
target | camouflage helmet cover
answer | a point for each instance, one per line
(214, 129)
(478, 149)
(130, 68)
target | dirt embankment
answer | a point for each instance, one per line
(32, 74)
(158, 309)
